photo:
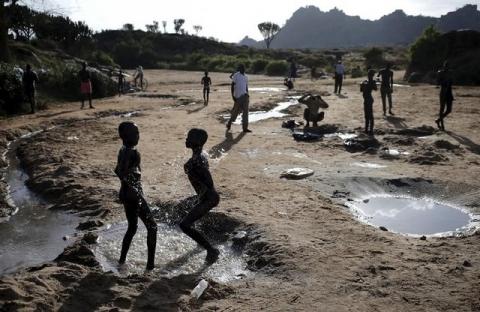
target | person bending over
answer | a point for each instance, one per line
(314, 103)
(199, 175)
(131, 194)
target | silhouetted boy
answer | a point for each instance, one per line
(366, 88)
(386, 88)
(85, 85)
(199, 175)
(29, 79)
(131, 194)
(206, 82)
(444, 80)
(121, 82)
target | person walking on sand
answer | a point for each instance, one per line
(29, 79)
(139, 75)
(131, 194)
(121, 82)
(445, 81)
(314, 103)
(367, 87)
(386, 88)
(85, 85)
(240, 98)
(206, 82)
(199, 175)
(339, 74)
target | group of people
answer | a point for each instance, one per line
(128, 170)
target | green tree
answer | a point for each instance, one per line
(178, 23)
(4, 25)
(153, 28)
(268, 30)
(374, 57)
(197, 28)
(128, 27)
(164, 24)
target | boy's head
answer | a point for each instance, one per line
(445, 65)
(241, 69)
(28, 67)
(371, 73)
(206, 74)
(196, 138)
(389, 65)
(84, 65)
(128, 132)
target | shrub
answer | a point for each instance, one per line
(11, 90)
(258, 66)
(102, 58)
(374, 58)
(276, 68)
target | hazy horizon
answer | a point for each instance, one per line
(225, 20)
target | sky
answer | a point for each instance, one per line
(229, 20)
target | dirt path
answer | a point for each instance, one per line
(307, 251)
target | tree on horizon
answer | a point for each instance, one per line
(268, 30)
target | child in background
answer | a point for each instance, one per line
(366, 88)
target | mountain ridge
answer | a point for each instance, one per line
(310, 27)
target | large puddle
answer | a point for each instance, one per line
(34, 234)
(276, 112)
(413, 216)
(176, 254)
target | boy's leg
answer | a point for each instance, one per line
(340, 82)
(234, 113)
(146, 216)
(306, 116)
(245, 101)
(383, 93)
(336, 83)
(131, 213)
(390, 104)
(197, 212)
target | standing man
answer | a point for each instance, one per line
(240, 98)
(339, 73)
(29, 79)
(386, 88)
(366, 88)
(444, 80)
(121, 82)
(85, 85)
(139, 75)
(206, 82)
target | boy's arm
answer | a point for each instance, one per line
(232, 89)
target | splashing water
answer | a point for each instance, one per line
(276, 112)
(176, 254)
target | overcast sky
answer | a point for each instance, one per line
(230, 20)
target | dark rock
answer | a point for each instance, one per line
(78, 253)
(88, 225)
(90, 238)
(443, 144)
(383, 229)
(467, 263)
(423, 237)
(306, 136)
(361, 143)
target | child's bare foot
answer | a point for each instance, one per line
(212, 256)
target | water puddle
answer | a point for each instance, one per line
(276, 112)
(369, 165)
(265, 90)
(176, 254)
(343, 136)
(401, 85)
(34, 234)
(413, 216)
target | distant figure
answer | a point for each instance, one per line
(444, 80)
(313, 73)
(314, 103)
(121, 83)
(139, 76)
(131, 194)
(293, 70)
(199, 175)
(206, 82)
(29, 79)
(240, 98)
(386, 88)
(366, 88)
(85, 85)
(288, 83)
(339, 73)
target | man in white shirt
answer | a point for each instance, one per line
(339, 73)
(240, 98)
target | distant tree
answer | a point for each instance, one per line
(178, 23)
(21, 21)
(128, 27)
(268, 30)
(4, 25)
(374, 57)
(197, 28)
(152, 27)
(164, 24)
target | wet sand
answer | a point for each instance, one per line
(304, 248)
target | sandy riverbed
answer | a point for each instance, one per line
(303, 248)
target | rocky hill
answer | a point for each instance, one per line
(309, 27)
